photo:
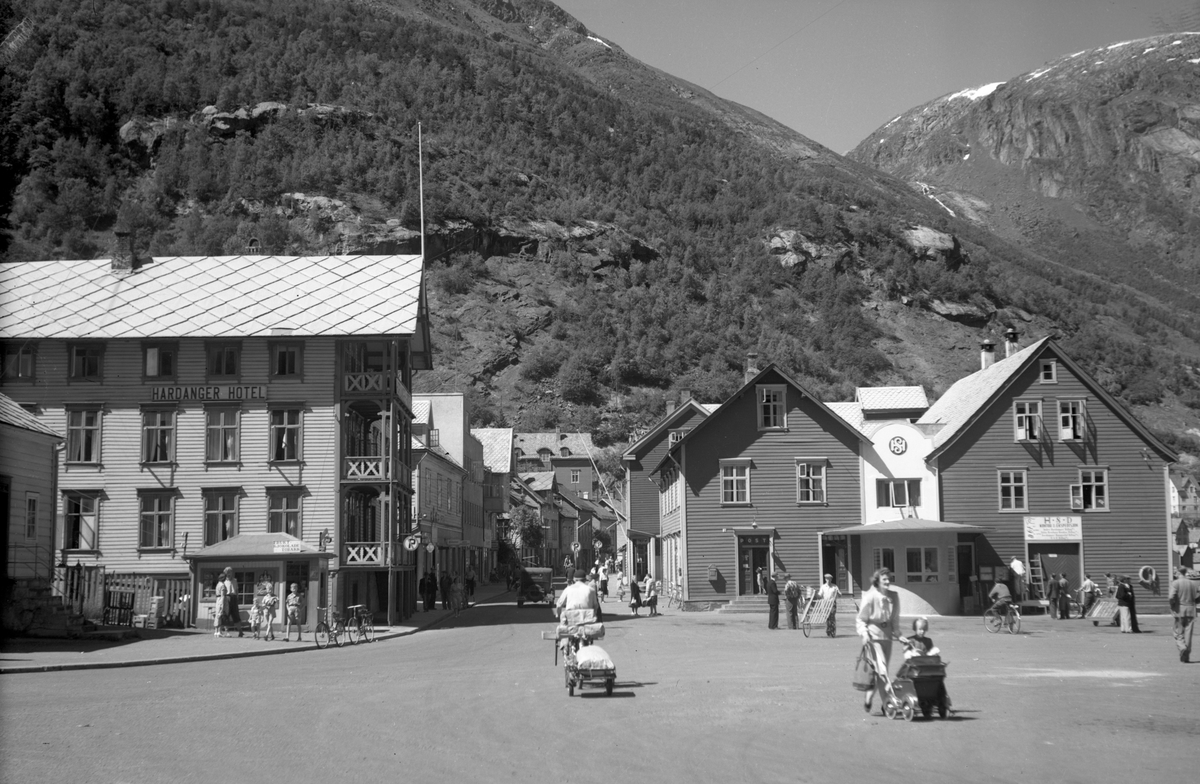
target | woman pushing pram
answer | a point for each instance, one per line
(877, 625)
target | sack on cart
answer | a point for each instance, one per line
(593, 657)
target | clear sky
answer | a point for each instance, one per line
(835, 70)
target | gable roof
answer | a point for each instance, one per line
(12, 414)
(851, 412)
(421, 410)
(966, 401)
(771, 368)
(538, 481)
(664, 423)
(214, 296)
(579, 444)
(497, 448)
(891, 398)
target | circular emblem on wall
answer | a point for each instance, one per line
(898, 445)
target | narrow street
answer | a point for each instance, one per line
(699, 697)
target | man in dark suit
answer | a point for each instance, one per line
(1182, 600)
(1052, 591)
(772, 600)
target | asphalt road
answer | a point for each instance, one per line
(700, 697)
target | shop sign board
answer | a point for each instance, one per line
(286, 546)
(234, 393)
(1053, 529)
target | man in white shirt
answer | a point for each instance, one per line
(1018, 570)
(579, 595)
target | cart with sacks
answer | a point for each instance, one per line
(584, 662)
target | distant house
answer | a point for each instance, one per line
(538, 492)
(28, 480)
(568, 455)
(641, 507)
(498, 468)
(1185, 496)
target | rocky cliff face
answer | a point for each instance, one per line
(1102, 142)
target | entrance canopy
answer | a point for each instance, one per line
(258, 547)
(638, 536)
(910, 525)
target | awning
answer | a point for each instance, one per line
(911, 525)
(634, 534)
(257, 547)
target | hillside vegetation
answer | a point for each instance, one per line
(601, 233)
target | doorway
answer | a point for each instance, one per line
(1058, 558)
(754, 553)
(834, 561)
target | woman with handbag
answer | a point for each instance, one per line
(877, 624)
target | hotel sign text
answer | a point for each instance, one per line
(233, 393)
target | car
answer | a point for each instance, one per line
(535, 584)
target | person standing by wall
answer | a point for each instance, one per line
(1088, 593)
(1052, 595)
(270, 605)
(791, 592)
(444, 586)
(470, 583)
(1125, 604)
(221, 608)
(877, 623)
(291, 614)
(1064, 597)
(1018, 575)
(772, 601)
(235, 612)
(829, 590)
(1182, 599)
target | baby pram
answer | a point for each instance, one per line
(919, 685)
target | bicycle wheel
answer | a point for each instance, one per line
(992, 621)
(1074, 609)
(806, 627)
(369, 627)
(352, 630)
(322, 635)
(338, 630)
(1014, 623)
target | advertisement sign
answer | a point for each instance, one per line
(1053, 529)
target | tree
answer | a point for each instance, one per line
(602, 543)
(526, 529)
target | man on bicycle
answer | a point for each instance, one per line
(1002, 597)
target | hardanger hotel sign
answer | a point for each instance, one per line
(207, 393)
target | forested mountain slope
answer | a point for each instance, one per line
(601, 232)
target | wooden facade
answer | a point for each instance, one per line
(28, 482)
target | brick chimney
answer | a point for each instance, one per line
(124, 257)
(670, 403)
(1012, 342)
(751, 366)
(987, 354)
(684, 396)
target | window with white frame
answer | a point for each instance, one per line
(222, 439)
(574, 476)
(1092, 490)
(674, 437)
(1013, 491)
(1071, 420)
(921, 565)
(80, 519)
(157, 509)
(159, 360)
(285, 435)
(884, 558)
(735, 481)
(31, 515)
(1049, 374)
(283, 511)
(897, 492)
(158, 436)
(220, 514)
(86, 361)
(1027, 420)
(20, 361)
(810, 481)
(771, 414)
(83, 435)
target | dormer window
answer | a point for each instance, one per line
(674, 437)
(1049, 371)
(565, 452)
(771, 414)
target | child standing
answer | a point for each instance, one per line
(269, 604)
(292, 614)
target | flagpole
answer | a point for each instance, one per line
(421, 189)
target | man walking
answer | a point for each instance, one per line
(772, 600)
(1088, 592)
(1182, 600)
(791, 592)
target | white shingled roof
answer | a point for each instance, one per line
(421, 409)
(851, 412)
(212, 296)
(891, 398)
(497, 447)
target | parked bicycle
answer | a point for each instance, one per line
(329, 628)
(1010, 619)
(361, 625)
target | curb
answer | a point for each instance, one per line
(203, 657)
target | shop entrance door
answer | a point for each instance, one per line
(833, 561)
(754, 553)
(1058, 558)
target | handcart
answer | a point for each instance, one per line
(819, 612)
(898, 696)
(1103, 610)
(584, 662)
(927, 676)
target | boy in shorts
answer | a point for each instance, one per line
(291, 614)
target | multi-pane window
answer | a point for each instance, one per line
(83, 435)
(884, 558)
(80, 513)
(221, 441)
(1027, 419)
(810, 482)
(220, 515)
(86, 360)
(1049, 373)
(770, 408)
(283, 512)
(435, 439)
(224, 360)
(1071, 416)
(735, 483)
(285, 434)
(285, 360)
(897, 492)
(922, 564)
(31, 515)
(158, 436)
(674, 437)
(19, 361)
(159, 361)
(574, 476)
(157, 529)
(1092, 490)
(1012, 491)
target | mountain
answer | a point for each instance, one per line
(600, 233)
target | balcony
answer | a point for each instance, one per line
(366, 468)
(368, 382)
(366, 554)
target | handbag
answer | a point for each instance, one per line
(864, 674)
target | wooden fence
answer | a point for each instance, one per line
(88, 590)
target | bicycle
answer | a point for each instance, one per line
(994, 621)
(361, 626)
(330, 628)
